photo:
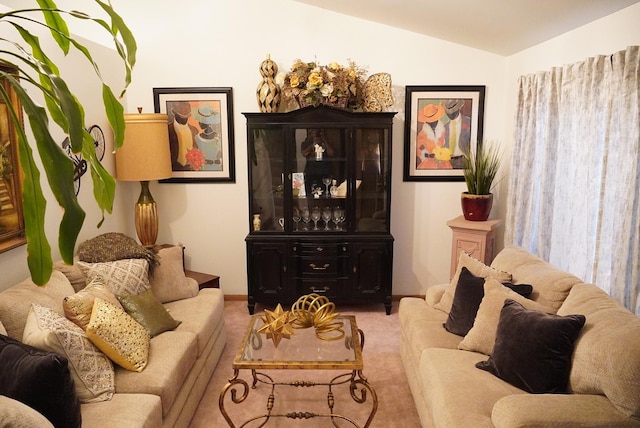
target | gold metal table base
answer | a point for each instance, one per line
(358, 387)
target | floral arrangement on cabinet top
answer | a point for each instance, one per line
(334, 84)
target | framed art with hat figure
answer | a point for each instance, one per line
(440, 123)
(200, 126)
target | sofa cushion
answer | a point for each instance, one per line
(199, 315)
(16, 301)
(456, 393)
(39, 379)
(2, 330)
(605, 359)
(124, 410)
(477, 268)
(482, 335)
(73, 272)
(533, 350)
(550, 284)
(171, 357)
(78, 306)
(149, 312)
(168, 280)
(128, 276)
(92, 370)
(15, 414)
(119, 336)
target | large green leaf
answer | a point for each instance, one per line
(55, 22)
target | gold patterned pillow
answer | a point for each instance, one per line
(92, 370)
(78, 306)
(128, 276)
(119, 336)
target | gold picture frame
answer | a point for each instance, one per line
(12, 230)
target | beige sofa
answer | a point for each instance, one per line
(180, 362)
(450, 391)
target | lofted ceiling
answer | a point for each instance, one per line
(503, 27)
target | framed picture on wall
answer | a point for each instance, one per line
(440, 123)
(12, 228)
(200, 133)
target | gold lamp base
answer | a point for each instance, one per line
(146, 217)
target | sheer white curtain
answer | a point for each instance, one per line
(574, 188)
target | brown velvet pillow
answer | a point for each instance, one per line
(533, 349)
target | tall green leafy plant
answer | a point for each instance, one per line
(480, 168)
(27, 55)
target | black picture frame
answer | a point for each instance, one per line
(208, 115)
(430, 153)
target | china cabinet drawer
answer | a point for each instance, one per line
(329, 287)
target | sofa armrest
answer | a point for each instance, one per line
(13, 413)
(553, 410)
(435, 293)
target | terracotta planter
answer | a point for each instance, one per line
(476, 207)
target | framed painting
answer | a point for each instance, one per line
(441, 122)
(200, 133)
(12, 232)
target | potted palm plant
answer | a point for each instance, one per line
(25, 61)
(480, 169)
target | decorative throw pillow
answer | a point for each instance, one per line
(92, 370)
(41, 380)
(467, 298)
(78, 306)
(119, 336)
(533, 350)
(168, 281)
(128, 276)
(477, 268)
(149, 312)
(482, 335)
(2, 330)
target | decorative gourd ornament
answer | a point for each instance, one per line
(268, 92)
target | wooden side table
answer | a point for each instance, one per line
(476, 238)
(204, 280)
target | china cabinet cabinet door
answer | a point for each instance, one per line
(267, 266)
(372, 272)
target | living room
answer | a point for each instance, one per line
(212, 219)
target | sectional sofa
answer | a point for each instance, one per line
(589, 374)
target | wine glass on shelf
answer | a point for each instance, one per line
(337, 214)
(326, 217)
(326, 181)
(306, 218)
(296, 216)
(315, 216)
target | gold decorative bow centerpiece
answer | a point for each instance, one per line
(313, 310)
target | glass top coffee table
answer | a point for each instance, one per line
(302, 351)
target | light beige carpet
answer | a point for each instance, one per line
(382, 368)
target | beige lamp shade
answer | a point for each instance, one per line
(145, 154)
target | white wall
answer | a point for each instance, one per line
(82, 81)
(222, 43)
(180, 47)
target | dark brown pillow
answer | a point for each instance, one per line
(466, 300)
(41, 380)
(533, 349)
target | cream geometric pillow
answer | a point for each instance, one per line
(119, 336)
(122, 277)
(91, 369)
(477, 268)
(482, 335)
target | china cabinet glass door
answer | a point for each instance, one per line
(318, 162)
(267, 180)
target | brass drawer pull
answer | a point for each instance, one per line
(314, 267)
(319, 290)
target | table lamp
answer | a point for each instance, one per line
(143, 157)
